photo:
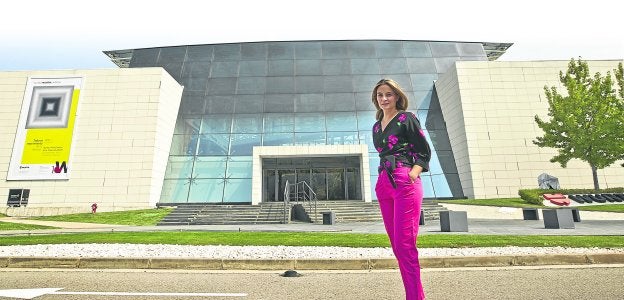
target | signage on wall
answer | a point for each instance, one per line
(45, 129)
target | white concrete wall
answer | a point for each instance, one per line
(448, 93)
(489, 109)
(122, 136)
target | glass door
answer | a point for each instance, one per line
(354, 190)
(270, 186)
(319, 183)
(331, 178)
(335, 184)
(304, 175)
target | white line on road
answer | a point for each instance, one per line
(154, 294)
(33, 293)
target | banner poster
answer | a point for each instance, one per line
(45, 129)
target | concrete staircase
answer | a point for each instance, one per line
(272, 213)
(358, 211)
(219, 214)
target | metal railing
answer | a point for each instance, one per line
(302, 192)
(286, 209)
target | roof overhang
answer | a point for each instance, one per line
(122, 57)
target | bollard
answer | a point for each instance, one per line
(329, 217)
(453, 221)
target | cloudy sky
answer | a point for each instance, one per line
(71, 34)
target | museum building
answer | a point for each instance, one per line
(233, 123)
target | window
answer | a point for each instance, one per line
(213, 144)
(209, 167)
(242, 144)
(206, 190)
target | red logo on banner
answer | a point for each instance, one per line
(60, 167)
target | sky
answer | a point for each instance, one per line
(70, 34)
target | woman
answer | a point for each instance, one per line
(404, 154)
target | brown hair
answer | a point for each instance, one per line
(401, 103)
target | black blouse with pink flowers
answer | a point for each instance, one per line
(404, 139)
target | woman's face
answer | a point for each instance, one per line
(386, 98)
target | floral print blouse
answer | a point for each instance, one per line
(404, 139)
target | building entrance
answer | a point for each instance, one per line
(331, 178)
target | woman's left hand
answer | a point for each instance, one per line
(415, 172)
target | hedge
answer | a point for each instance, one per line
(534, 196)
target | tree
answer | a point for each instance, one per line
(588, 122)
(619, 76)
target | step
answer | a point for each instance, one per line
(272, 213)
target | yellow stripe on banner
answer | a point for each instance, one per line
(49, 145)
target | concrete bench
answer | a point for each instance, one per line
(453, 221)
(558, 218)
(576, 217)
(530, 213)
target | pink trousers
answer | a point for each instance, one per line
(400, 209)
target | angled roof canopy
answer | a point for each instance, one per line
(122, 57)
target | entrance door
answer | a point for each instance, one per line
(354, 189)
(331, 178)
(319, 183)
(304, 175)
(270, 185)
(335, 184)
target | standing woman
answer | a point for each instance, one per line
(404, 154)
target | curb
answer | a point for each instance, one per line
(306, 264)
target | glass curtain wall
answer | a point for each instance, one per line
(241, 95)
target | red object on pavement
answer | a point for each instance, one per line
(557, 199)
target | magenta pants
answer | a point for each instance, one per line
(400, 209)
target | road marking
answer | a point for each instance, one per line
(27, 293)
(33, 293)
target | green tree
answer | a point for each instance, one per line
(619, 76)
(588, 122)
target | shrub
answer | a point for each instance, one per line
(534, 196)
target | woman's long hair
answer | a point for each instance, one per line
(402, 102)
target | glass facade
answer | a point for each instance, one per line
(237, 96)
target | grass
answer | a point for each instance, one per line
(17, 226)
(312, 239)
(153, 216)
(518, 202)
(502, 202)
(606, 207)
(144, 217)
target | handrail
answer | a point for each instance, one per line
(304, 192)
(286, 209)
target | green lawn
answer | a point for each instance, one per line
(16, 226)
(153, 216)
(144, 217)
(150, 217)
(312, 239)
(503, 202)
(605, 207)
(518, 202)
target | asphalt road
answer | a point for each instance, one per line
(545, 282)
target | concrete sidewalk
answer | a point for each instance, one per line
(475, 226)
(481, 220)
